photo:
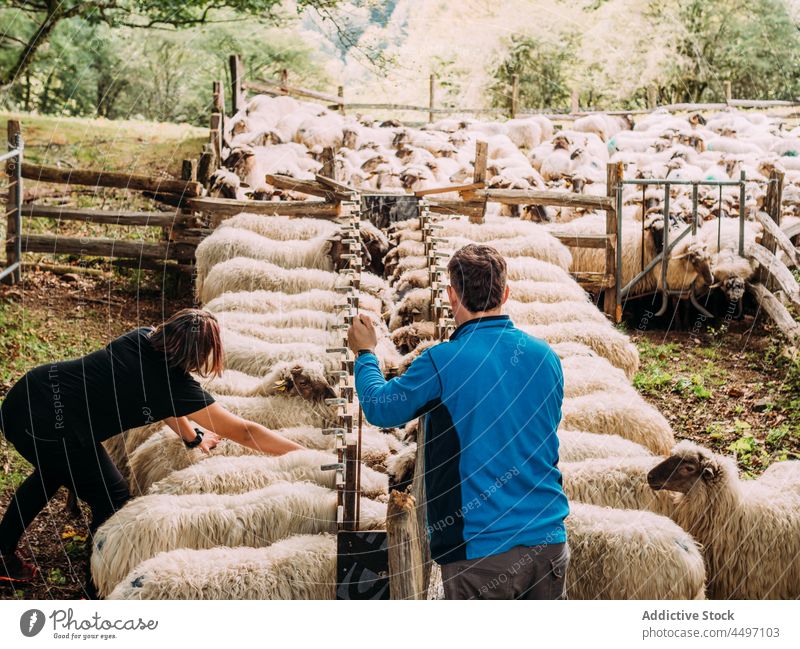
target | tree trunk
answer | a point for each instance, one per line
(25, 57)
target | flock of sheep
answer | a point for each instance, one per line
(280, 135)
(244, 525)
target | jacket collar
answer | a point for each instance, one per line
(482, 323)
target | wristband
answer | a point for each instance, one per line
(361, 352)
(196, 441)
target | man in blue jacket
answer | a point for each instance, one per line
(491, 397)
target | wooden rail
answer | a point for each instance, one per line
(103, 247)
(94, 178)
(110, 217)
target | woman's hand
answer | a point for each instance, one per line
(210, 440)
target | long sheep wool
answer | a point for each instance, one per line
(153, 524)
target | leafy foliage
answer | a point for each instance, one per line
(542, 69)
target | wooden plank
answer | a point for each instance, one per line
(327, 159)
(221, 208)
(406, 579)
(614, 173)
(218, 98)
(334, 184)
(310, 187)
(111, 217)
(775, 310)
(350, 489)
(103, 247)
(431, 98)
(237, 78)
(109, 179)
(728, 93)
(574, 101)
(514, 95)
(205, 168)
(272, 87)
(597, 280)
(215, 137)
(481, 156)
(776, 271)
(543, 197)
(581, 240)
(452, 188)
(13, 132)
(340, 94)
(420, 499)
(453, 207)
(771, 222)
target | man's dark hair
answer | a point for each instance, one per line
(478, 275)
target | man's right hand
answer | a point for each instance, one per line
(362, 334)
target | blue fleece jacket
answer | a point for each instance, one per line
(491, 397)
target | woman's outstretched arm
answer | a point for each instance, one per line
(247, 433)
(184, 429)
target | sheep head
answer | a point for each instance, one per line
(307, 382)
(734, 288)
(411, 336)
(698, 256)
(561, 142)
(688, 467)
(349, 138)
(697, 118)
(338, 249)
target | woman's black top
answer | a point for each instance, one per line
(89, 399)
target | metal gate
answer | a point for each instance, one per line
(669, 245)
(13, 159)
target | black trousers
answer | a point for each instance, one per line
(523, 572)
(58, 461)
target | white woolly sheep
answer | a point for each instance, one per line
(234, 475)
(750, 531)
(281, 228)
(532, 291)
(541, 313)
(619, 482)
(624, 414)
(153, 524)
(306, 380)
(604, 339)
(243, 274)
(276, 301)
(576, 446)
(630, 554)
(586, 374)
(301, 567)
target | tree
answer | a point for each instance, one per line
(754, 44)
(28, 25)
(542, 69)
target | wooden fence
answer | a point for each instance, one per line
(240, 84)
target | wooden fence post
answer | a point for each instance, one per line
(326, 158)
(575, 102)
(431, 98)
(340, 94)
(479, 174)
(285, 80)
(772, 206)
(514, 95)
(237, 79)
(215, 137)
(406, 578)
(13, 130)
(613, 178)
(652, 96)
(420, 498)
(728, 92)
(205, 167)
(218, 103)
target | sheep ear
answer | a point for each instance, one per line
(280, 386)
(716, 285)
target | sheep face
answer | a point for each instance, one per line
(733, 287)
(306, 384)
(338, 250)
(679, 473)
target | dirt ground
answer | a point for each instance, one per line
(50, 317)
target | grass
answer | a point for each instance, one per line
(123, 146)
(137, 147)
(718, 392)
